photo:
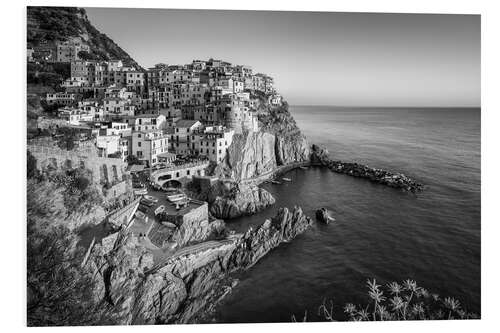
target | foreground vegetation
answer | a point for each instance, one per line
(397, 301)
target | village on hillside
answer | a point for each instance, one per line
(162, 128)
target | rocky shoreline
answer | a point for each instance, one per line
(184, 288)
(320, 157)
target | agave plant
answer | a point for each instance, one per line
(394, 288)
(349, 308)
(407, 301)
(410, 285)
(452, 305)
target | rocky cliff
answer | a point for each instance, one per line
(247, 200)
(291, 149)
(255, 156)
(229, 199)
(250, 155)
(186, 285)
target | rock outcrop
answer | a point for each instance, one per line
(229, 199)
(285, 226)
(187, 284)
(320, 156)
(250, 155)
(245, 200)
(323, 215)
(292, 149)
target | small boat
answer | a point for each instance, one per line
(276, 182)
(159, 210)
(168, 224)
(151, 198)
(304, 167)
(142, 191)
(286, 179)
(175, 197)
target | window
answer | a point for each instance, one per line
(177, 174)
(188, 172)
(220, 151)
(139, 144)
(201, 150)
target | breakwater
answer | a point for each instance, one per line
(320, 157)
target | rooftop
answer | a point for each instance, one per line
(185, 123)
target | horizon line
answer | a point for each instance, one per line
(390, 107)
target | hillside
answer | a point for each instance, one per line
(51, 24)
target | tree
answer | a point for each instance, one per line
(84, 55)
(32, 171)
(133, 160)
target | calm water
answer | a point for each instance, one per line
(382, 233)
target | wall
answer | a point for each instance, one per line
(50, 158)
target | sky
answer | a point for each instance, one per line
(317, 58)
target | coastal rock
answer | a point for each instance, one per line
(320, 156)
(285, 226)
(242, 200)
(228, 199)
(323, 215)
(292, 149)
(250, 155)
(188, 285)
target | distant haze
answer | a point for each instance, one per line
(351, 59)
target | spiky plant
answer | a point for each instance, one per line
(408, 301)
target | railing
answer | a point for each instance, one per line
(181, 166)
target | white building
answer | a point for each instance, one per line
(60, 98)
(147, 122)
(147, 145)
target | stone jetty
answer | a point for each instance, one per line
(320, 156)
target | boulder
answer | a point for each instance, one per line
(323, 216)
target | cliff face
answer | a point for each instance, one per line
(250, 155)
(291, 149)
(256, 155)
(186, 285)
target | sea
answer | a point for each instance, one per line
(432, 237)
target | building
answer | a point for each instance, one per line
(183, 136)
(147, 145)
(238, 115)
(118, 106)
(214, 142)
(108, 144)
(68, 51)
(146, 122)
(74, 116)
(29, 54)
(60, 98)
